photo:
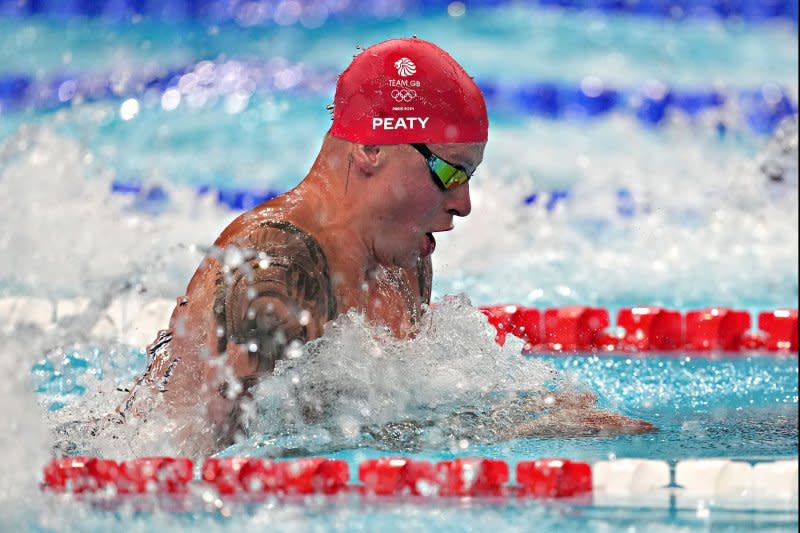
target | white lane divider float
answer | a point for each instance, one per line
(66, 309)
(130, 319)
(638, 482)
(775, 484)
(25, 312)
(696, 483)
(736, 484)
(630, 476)
(133, 320)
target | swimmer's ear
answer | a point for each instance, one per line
(367, 157)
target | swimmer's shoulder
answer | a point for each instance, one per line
(281, 293)
(282, 248)
(281, 219)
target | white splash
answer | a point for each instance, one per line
(704, 225)
(357, 379)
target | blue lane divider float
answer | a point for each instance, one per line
(153, 198)
(316, 12)
(760, 108)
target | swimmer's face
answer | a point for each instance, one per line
(415, 207)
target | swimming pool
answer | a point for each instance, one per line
(624, 168)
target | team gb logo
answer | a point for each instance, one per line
(405, 67)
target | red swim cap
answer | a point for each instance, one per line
(408, 91)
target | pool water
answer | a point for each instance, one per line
(737, 407)
(643, 202)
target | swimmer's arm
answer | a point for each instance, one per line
(569, 414)
(276, 302)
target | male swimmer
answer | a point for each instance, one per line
(409, 129)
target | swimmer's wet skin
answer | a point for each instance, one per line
(409, 129)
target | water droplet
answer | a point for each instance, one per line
(233, 257)
(129, 109)
(294, 350)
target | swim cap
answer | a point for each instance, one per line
(408, 91)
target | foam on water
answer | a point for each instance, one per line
(699, 222)
(359, 386)
(23, 433)
(356, 386)
(72, 237)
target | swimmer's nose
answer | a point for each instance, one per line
(458, 202)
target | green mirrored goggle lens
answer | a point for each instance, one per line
(449, 175)
(444, 174)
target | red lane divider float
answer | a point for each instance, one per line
(468, 477)
(651, 328)
(780, 327)
(554, 478)
(397, 476)
(304, 476)
(472, 477)
(90, 474)
(522, 322)
(716, 329)
(156, 474)
(81, 474)
(574, 327)
(644, 329)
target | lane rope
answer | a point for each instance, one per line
(315, 14)
(644, 329)
(574, 328)
(759, 109)
(742, 483)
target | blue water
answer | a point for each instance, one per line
(738, 407)
(679, 234)
(742, 407)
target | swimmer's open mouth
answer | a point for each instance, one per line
(432, 241)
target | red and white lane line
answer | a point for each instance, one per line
(731, 483)
(645, 329)
(134, 320)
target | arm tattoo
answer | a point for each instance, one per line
(271, 303)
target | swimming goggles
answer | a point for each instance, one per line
(445, 175)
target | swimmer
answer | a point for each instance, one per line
(409, 129)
